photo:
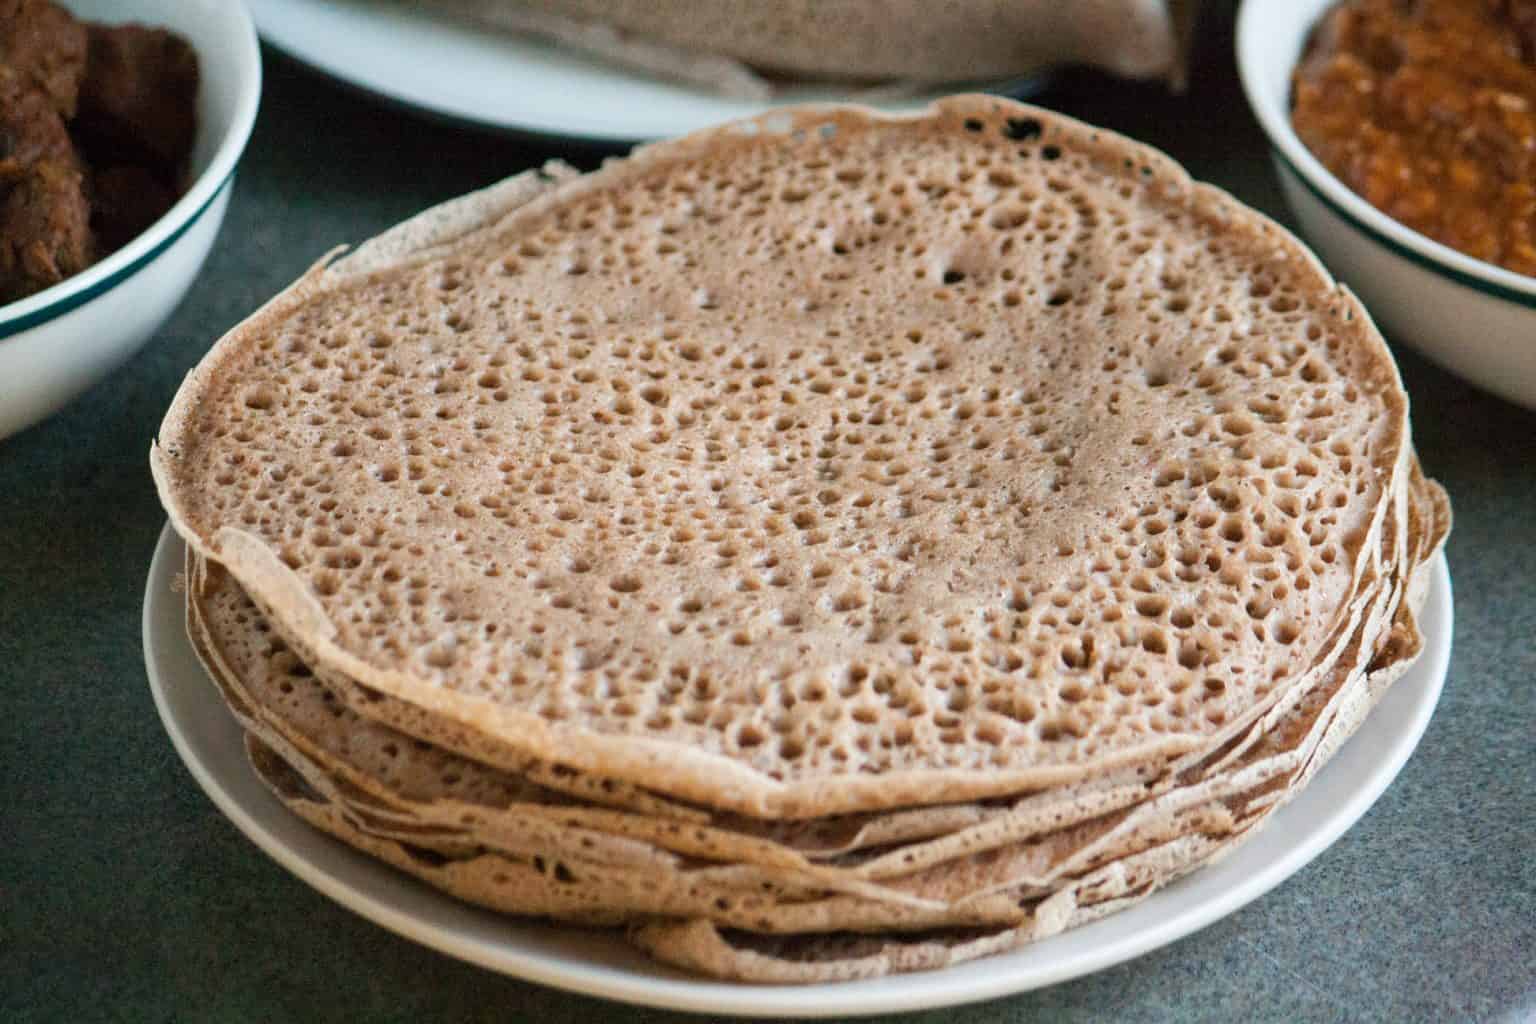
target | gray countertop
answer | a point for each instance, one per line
(125, 895)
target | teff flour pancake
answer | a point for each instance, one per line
(813, 467)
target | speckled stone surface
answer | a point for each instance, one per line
(125, 895)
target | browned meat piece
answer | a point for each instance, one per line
(131, 92)
(44, 216)
(45, 230)
(43, 43)
(30, 128)
(139, 97)
(124, 201)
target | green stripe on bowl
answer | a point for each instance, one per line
(75, 300)
(1461, 277)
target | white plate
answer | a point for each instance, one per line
(600, 964)
(454, 70)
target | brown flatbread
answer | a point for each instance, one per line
(830, 544)
(852, 673)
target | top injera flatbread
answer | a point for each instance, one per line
(719, 43)
(863, 39)
(415, 781)
(816, 463)
(409, 780)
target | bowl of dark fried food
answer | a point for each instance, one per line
(121, 123)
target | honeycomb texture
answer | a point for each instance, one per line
(830, 445)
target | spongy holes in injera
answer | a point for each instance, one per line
(951, 882)
(1010, 450)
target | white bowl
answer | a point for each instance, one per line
(1476, 319)
(57, 343)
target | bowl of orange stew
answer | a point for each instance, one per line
(1404, 135)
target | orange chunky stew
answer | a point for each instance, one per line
(1427, 109)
